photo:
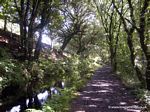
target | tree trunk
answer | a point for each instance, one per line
(113, 57)
(148, 74)
(65, 43)
(30, 39)
(38, 46)
(21, 34)
(147, 55)
(143, 37)
(30, 44)
(115, 63)
(5, 23)
(132, 58)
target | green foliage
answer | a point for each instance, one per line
(74, 70)
(144, 96)
(7, 12)
(59, 103)
(11, 71)
(124, 67)
(53, 71)
(12, 74)
(34, 110)
(4, 53)
(82, 33)
(84, 67)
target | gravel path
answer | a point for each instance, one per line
(105, 93)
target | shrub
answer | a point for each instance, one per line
(4, 53)
(59, 103)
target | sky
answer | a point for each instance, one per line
(46, 39)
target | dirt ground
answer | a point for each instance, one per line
(106, 93)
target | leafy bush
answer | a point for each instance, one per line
(52, 71)
(59, 103)
(34, 110)
(125, 68)
(75, 71)
(11, 71)
(4, 53)
(34, 76)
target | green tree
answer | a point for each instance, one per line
(112, 25)
(34, 16)
(75, 21)
(136, 21)
(7, 14)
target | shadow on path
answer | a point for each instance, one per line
(105, 93)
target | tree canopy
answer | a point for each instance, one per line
(81, 32)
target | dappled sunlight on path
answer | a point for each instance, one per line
(105, 93)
